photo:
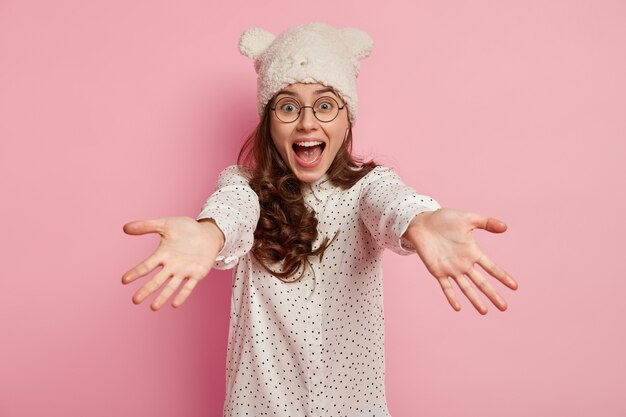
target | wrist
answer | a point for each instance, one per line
(214, 231)
(420, 219)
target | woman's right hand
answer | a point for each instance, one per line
(187, 252)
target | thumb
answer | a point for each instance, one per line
(141, 227)
(490, 224)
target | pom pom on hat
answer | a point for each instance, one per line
(254, 41)
(360, 41)
(310, 53)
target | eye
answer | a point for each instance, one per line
(287, 105)
(325, 105)
(288, 108)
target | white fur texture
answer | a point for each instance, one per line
(310, 53)
(254, 41)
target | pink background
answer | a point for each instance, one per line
(112, 111)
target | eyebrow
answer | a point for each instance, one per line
(320, 91)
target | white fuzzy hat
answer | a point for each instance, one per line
(310, 53)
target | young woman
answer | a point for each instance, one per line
(305, 224)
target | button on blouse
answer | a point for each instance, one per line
(314, 347)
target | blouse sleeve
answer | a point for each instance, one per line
(387, 206)
(235, 208)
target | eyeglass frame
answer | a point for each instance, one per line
(310, 107)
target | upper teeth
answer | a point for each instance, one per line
(312, 143)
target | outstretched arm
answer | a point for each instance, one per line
(221, 234)
(444, 241)
(186, 253)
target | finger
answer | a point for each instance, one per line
(449, 292)
(141, 227)
(479, 280)
(490, 224)
(185, 292)
(142, 269)
(151, 286)
(494, 270)
(470, 293)
(167, 292)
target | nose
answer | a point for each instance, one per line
(307, 120)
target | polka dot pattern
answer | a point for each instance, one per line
(235, 208)
(314, 347)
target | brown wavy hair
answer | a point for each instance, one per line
(287, 227)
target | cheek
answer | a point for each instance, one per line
(280, 149)
(279, 136)
(336, 148)
(340, 134)
(336, 145)
(279, 143)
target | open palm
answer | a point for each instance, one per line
(444, 241)
(187, 252)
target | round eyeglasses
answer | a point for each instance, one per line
(288, 109)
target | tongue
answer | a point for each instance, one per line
(308, 153)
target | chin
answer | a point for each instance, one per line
(309, 176)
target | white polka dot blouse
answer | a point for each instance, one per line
(314, 347)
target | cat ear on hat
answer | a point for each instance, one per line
(254, 41)
(360, 43)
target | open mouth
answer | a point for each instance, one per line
(309, 152)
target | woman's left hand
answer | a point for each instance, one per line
(444, 241)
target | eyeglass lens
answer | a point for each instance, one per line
(288, 109)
